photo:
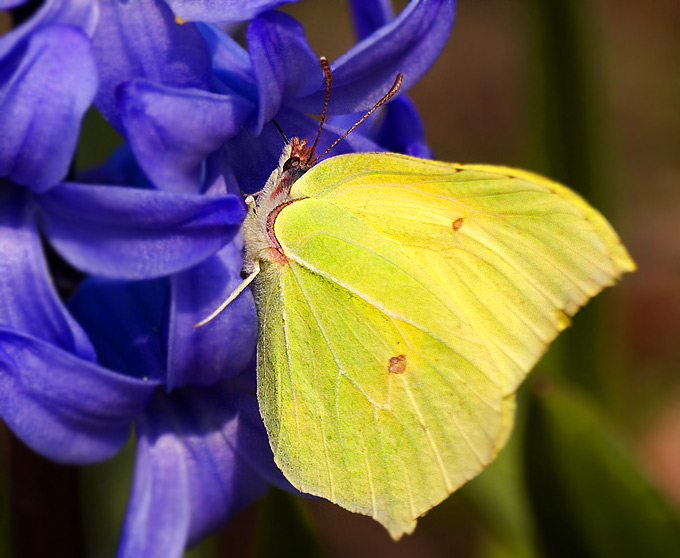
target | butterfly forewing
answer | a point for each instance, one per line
(514, 253)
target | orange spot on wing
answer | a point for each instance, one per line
(397, 365)
(457, 224)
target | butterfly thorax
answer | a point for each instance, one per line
(258, 227)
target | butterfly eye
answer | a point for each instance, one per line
(291, 163)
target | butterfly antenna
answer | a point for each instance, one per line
(329, 80)
(391, 93)
(285, 139)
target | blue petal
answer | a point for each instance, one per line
(82, 14)
(219, 176)
(213, 441)
(294, 70)
(254, 158)
(65, 408)
(123, 320)
(397, 126)
(158, 514)
(7, 4)
(222, 347)
(409, 44)
(222, 11)
(141, 39)
(231, 62)
(28, 301)
(370, 15)
(128, 233)
(401, 130)
(172, 130)
(224, 449)
(121, 168)
(237, 396)
(41, 109)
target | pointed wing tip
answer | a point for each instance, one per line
(396, 528)
(625, 263)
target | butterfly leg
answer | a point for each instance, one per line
(233, 295)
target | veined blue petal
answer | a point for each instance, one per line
(172, 130)
(231, 62)
(237, 396)
(158, 514)
(141, 39)
(82, 14)
(41, 109)
(409, 44)
(206, 450)
(222, 347)
(285, 65)
(222, 11)
(129, 233)
(28, 301)
(397, 126)
(123, 320)
(65, 408)
(370, 15)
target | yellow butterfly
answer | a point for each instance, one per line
(401, 301)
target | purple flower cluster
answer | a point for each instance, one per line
(156, 228)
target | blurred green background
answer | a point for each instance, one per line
(589, 94)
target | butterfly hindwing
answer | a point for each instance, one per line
(371, 411)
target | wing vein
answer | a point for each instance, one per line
(452, 417)
(428, 435)
(562, 272)
(380, 308)
(340, 370)
(530, 326)
(284, 317)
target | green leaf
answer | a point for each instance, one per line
(97, 141)
(104, 491)
(590, 497)
(498, 495)
(284, 528)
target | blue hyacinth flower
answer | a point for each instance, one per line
(196, 110)
(173, 129)
(202, 452)
(53, 394)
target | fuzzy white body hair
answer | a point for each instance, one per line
(254, 227)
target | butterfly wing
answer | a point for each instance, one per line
(416, 297)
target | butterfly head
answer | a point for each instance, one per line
(301, 158)
(297, 158)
